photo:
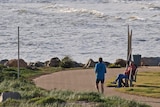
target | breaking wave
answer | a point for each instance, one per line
(64, 9)
(136, 18)
(154, 7)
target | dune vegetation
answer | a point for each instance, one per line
(32, 96)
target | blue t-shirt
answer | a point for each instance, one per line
(100, 70)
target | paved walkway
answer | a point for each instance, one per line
(84, 80)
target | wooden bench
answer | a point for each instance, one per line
(132, 78)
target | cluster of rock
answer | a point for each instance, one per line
(144, 61)
(91, 63)
(53, 62)
(150, 61)
(120, 62)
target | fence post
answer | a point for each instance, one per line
(18, 53)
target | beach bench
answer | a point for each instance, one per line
(132, 78)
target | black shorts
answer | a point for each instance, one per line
(100, 80)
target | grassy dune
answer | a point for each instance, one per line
(32, 96)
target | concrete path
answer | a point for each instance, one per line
(84, 80)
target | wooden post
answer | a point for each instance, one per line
(129, 54)
(18, 54)
(130, 57)
(128, 48)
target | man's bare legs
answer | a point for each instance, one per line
(102, 87)
(97, 87)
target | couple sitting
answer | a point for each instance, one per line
(131, 68)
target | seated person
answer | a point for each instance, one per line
(126, 74)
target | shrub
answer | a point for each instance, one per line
(114, 66)
(66, 95)
(66, 62)
(26, 88)
(88, 96)
(33, 100)
(10, 103)
(8, 76)
(118, 102)
(2, 67)
(49, 100)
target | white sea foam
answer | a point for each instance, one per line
(136, 18)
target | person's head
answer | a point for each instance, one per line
(132, 64)
(100, 59)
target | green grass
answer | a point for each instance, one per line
(27, 73)
(58, 98)
(148, 84)
(32, 96)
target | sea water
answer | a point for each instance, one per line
(80, 29)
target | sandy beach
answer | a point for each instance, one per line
(84, 80)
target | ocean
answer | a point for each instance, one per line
(80, 29)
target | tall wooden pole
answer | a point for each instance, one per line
(18, 53)
(129, 52)
(129, 46)
(128, 43)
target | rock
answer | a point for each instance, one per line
(54, 62)
(120, 62)
(39, 64)
(46, 63)
(107, 63)
(90, 63)
(150, 61)
(76, 64)
(31, 66)
(14, 63)
(13, 95)
(2, 62)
